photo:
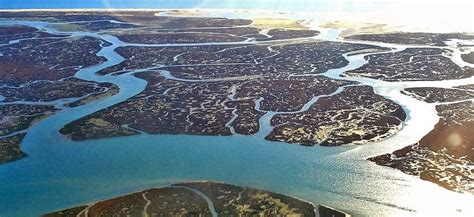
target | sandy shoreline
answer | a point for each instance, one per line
(393, 23)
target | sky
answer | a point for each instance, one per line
(457, 14)
(305, 5)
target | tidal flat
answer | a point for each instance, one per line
(202, 198)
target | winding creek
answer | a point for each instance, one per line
(60, 173)
(209, 202)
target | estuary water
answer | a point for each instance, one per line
(60, 173)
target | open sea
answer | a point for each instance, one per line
(454, 15)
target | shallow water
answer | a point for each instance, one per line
(59, 173)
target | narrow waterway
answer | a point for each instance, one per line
(59, 173)
(209, 202)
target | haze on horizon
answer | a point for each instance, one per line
(455, 15)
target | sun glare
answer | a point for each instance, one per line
(454, 139)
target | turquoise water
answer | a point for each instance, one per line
(59, 173)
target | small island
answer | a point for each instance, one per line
(412, 38)
(412, 64)
(356, 115)
(201, 199)
(435, 94)
(10, 148)
(469, 57)
(15, 119)
(443, 156)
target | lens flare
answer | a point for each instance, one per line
(454, 139)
